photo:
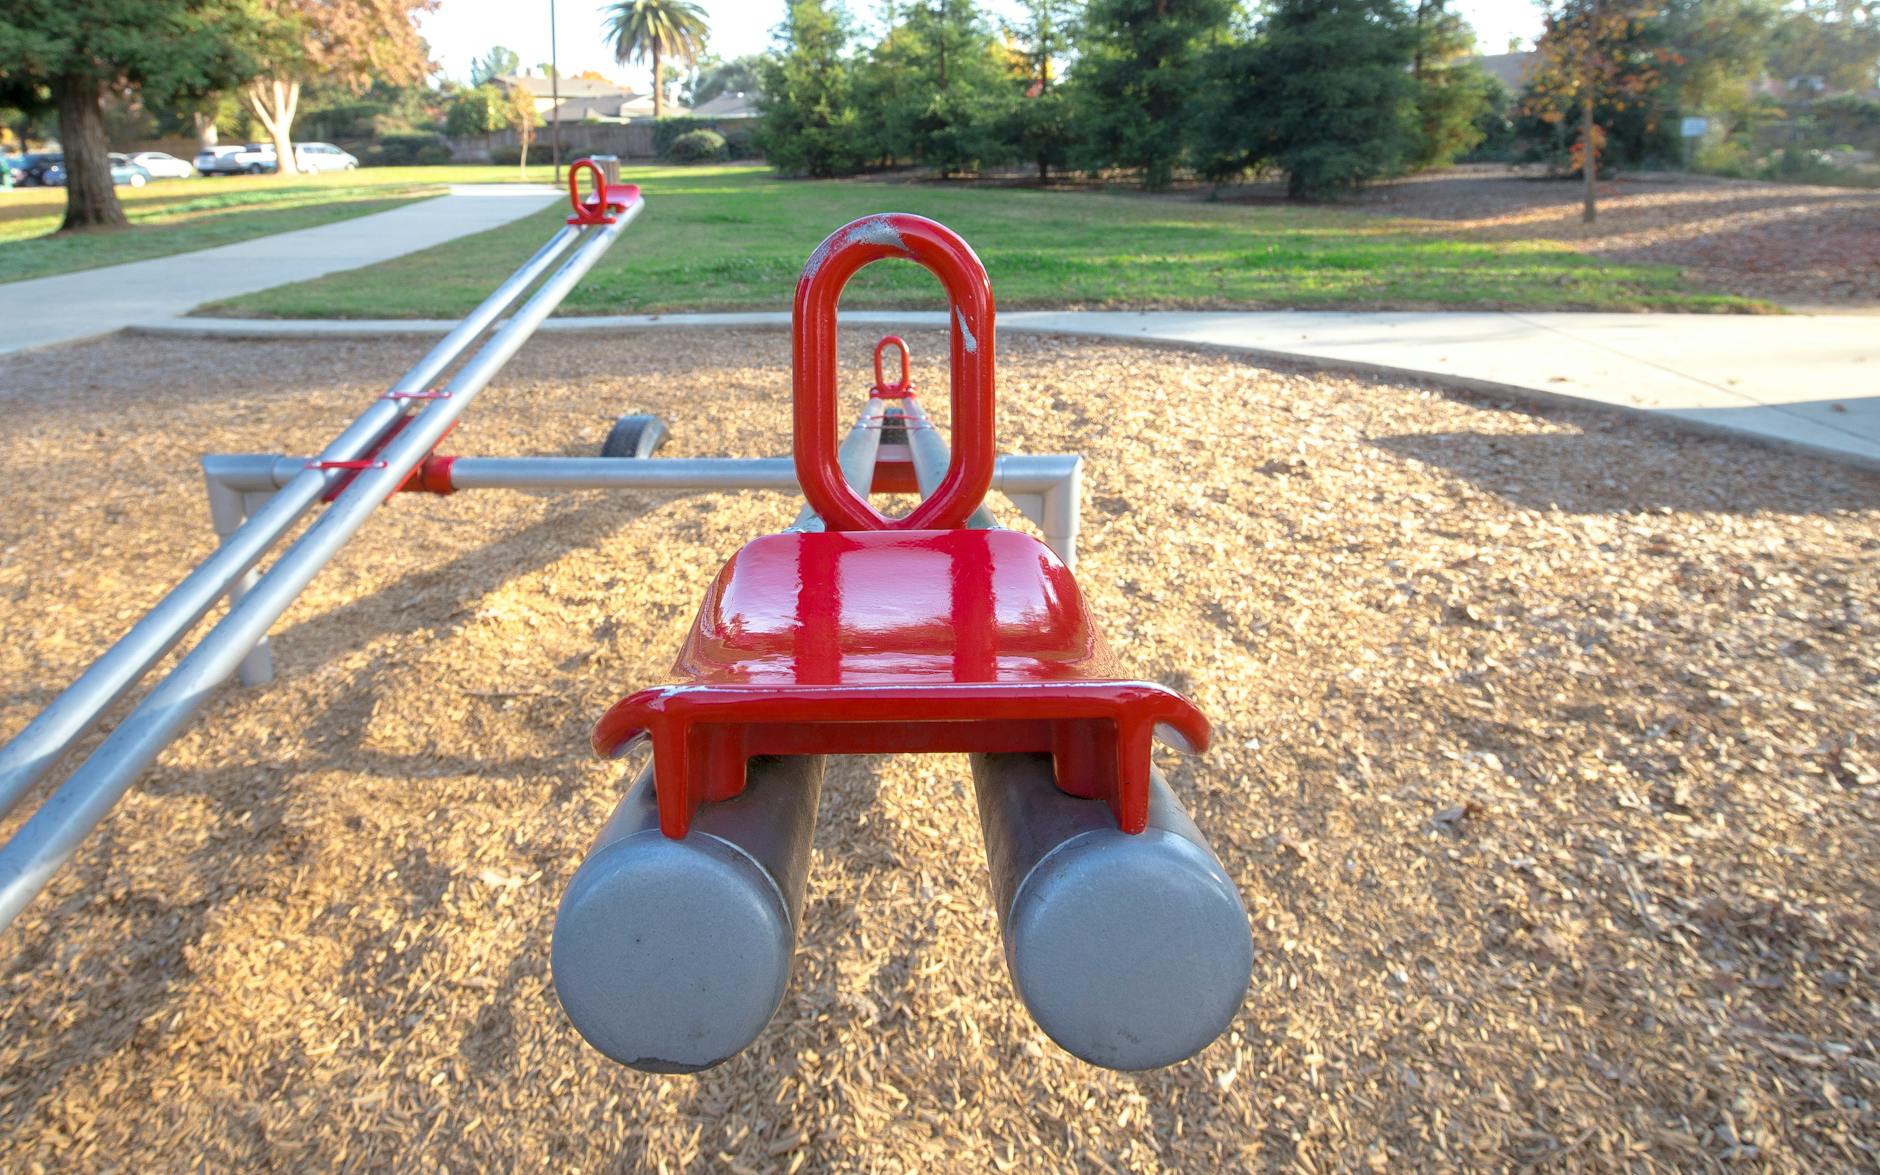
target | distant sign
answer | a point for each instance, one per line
(1694, 128)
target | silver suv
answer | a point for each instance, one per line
(249, 159)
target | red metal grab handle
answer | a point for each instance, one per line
(602, 200)
(883, 388)
(813, 358)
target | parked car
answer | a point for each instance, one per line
(33, 167)
(162, 165)
(323, 157)
(123, 172)
(217, 161)
(247, 159)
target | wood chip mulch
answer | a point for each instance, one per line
(1547, 757)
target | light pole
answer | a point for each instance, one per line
(554, 91)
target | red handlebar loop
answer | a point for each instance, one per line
(884, 389)
(813, 369)
(602, 200)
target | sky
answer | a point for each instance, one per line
(462, 30)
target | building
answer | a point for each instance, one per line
(586, 100)
(545, 91)
(729, 107)
(1510, 69)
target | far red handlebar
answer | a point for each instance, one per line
(813, 359)
(883, 388)
(602, 200)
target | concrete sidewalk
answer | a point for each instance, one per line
(1812, 382)
(48, 310)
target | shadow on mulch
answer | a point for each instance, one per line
(1568, 471)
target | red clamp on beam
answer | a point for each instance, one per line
(602, 198)
(432, 477)
(422, 477)
(884, 390)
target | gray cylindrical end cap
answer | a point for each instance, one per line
(1131, 952)
(671, 955)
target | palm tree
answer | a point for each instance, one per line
(658, 29)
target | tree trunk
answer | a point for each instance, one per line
(207, 134)
(1589, 158)
(90, 200)
(1416, 59)
(1044, 170)
(274, 101)
(659, 98)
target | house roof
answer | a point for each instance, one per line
(613, 108)
(738, 105)
(542, 87)
(582, 109)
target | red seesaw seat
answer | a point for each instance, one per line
(898, 641)
(897, 634)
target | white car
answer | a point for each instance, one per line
(162, 166)
(323, 157)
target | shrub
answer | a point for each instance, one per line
(1723, 156)
(741, 144)
(433, 155)
(404, 150)
(697, 147)
(1805, 165)
(666, 131)
(506, 156)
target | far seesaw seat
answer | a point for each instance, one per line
(907, 634)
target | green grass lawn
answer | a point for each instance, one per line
(734, 237)
(177, 216)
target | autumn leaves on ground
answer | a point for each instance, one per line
(1544, 756)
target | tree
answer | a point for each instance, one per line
(1139, 68)
(1828, 45)
(1038, 126)
(481, 111)
(1229, 133)
(203, 116)
(960, 82)
(883, 83)
(1716, 50)
(1711, 55)
(809, 125)
(341, 112)
(1335, 92)
(64, 55)
(1450, 90)
(716, 76)
(1590, 55)
(343, 42)
(519, 113)
(14, 127)
(498, 62)
(657, 30)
